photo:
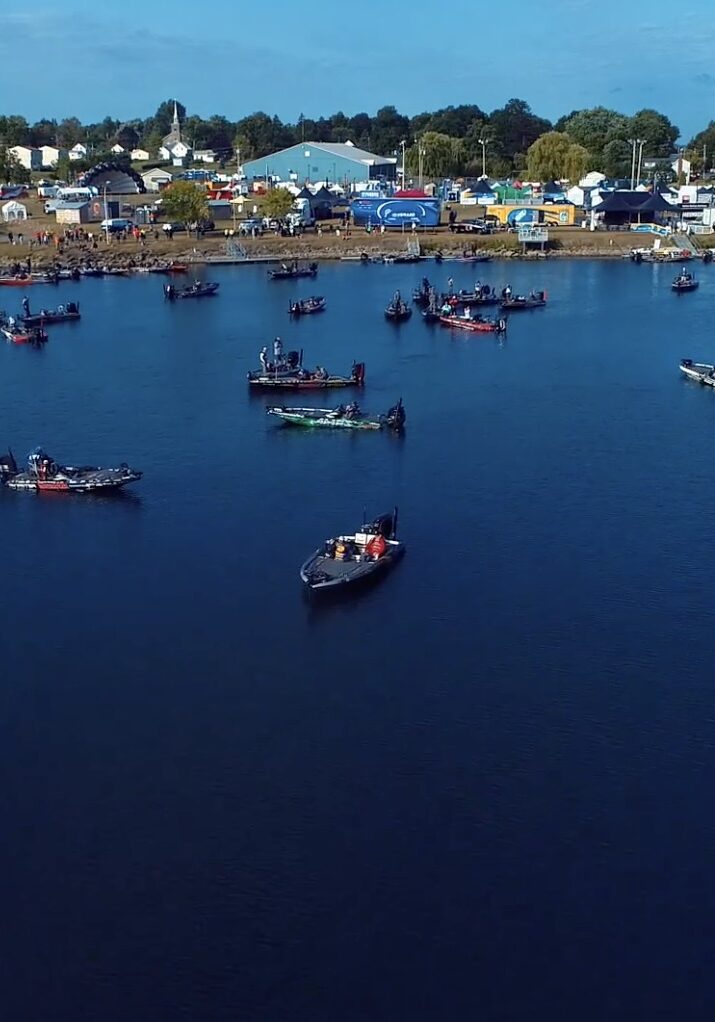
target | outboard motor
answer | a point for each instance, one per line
(293, 359)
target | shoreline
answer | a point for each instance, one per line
(212, 250)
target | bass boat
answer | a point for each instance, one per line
(304, 306)
(685, 281)
(23, 334)
(350, 560)
(703, 372)
(62, 314)
(287, 272)
(286, 371)
(475, 324)
(195, 290)
(343, 417)
(397, 310)
(43, 474)
(535, 300)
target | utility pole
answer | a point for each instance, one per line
(483, 143)
(403, 143)
(421, 152)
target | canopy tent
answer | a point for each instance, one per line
(621, 207)
(14, 211)
(482, 187)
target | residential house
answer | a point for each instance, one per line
(140, 155)
(29, 157)
(156, 179)
(78, 152)
(51, 155)
(117, 149)
(204, 156)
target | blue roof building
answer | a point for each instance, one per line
(337, 162)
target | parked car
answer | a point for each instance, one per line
(471, 227)
(116, 224)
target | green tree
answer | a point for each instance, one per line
(594, 129)
(278, 203)
(63, 170)
(11, 170)
(69, 132)
(161, 121)
(659, 132)
(14, 130)
(184, 202)
(704, 144)
(616, 160)
(513, 128)
(389, 128)
(443, 155)
(555, 156)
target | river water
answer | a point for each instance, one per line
(482, 789)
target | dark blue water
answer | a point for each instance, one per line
(481, 790)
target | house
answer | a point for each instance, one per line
(178, 153)
(78, 152)
(204, 156)
(51, 155)
(140, 155)
(117, 148)
(13, 211)
(156, 179)
(681, 166)
(323, 161)
(27, 156)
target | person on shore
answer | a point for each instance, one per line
(11, 237)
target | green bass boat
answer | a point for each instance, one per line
(343, 417)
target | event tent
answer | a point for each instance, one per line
(14, 211)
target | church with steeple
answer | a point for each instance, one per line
(175, 133)
(173, 146)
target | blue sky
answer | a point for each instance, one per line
(89, 59)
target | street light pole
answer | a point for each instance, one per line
(632, 142)
(403, 143)
(641, 143)
(106, 214)
(483, 143)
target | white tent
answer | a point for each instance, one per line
(14, 211)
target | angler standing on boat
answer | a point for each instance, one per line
(277, 350)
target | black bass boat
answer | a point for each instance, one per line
(702, 372)
(286, 371)
(349, 560)
(422, 295)
(43, 474)
(62, 314)
(343, 417)
(195, 290)
(513, 303)
(685, 281)
(482, 294)
(292, 271)
(398, 310)
(304, 306)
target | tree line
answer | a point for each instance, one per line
(450, 141)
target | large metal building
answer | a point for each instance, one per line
(337, 162)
